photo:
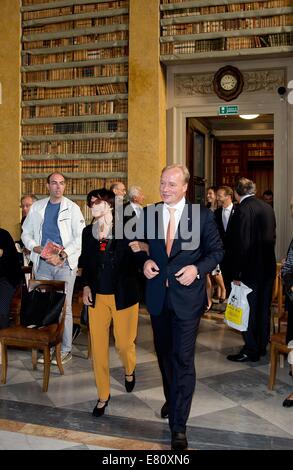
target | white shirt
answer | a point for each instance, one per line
(244, 197)
(178, 213)
(137, 208)
(226, 212)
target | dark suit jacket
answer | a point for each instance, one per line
(188, 301)
(218, 216)
(253, 235)
(9, 262)
(123, 266)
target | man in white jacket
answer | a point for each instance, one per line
(60, 220)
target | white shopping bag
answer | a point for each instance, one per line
(237, 310)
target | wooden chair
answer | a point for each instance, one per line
(36, 338)
(278, 303)
(278, 346)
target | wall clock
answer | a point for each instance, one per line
(228, 83)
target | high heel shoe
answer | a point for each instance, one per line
(97, 412)
(129, 385)
(208, 308)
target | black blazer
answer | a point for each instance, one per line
(188, 301)
(124, 268)
(253, 236)
(218, 216)
(9, 262)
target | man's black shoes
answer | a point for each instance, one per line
(179, 441)
(242, 357)
(164, 411)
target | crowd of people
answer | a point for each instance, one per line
(174, 257)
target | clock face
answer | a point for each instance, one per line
(228, 82)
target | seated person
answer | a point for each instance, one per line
(10, 275)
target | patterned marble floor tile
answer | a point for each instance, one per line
(147, 375)
(19, 441)
(273, 411)
(244, 386)
(27, 392)
(214, 363)
(282, 373)
(154, 398)
(17, 373)
(73, 388)
(219, 339)
(239, 420)
(206, 400)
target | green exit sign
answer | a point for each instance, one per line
(228, 110)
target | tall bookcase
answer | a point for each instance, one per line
(244, 158)
(74, 94)
(192, 30)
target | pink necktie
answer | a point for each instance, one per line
(170, 230)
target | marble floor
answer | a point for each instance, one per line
(232, 406)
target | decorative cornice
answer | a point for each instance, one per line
(254, 80)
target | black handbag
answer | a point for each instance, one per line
(41, 308)
(84, 315)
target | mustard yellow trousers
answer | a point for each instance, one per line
(125, 331)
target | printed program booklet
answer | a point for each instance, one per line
(51, 248)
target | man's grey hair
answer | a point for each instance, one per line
(134, 191)
(244, 186)
(32, 196)
(182, 168)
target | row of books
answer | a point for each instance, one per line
(73, 186)
(226, 44)
(229, 152)
(75, 146)
(75, 128)
(74, 166)
(105, 70)
(254, 145)
(214, 9)
(76, 109)
(228, 160)
(226, 25)
(234, 169)
(73, 9)
(72, 56)
(229, 180)
(39, 93)
(77, 40)
(260, 153)
(76, 24)
(86, 211)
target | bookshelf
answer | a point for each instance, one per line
(224, 28)
(235, 159)
(74, 74)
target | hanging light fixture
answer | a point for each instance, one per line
(248, 116)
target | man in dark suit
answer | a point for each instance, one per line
(185, 245)
(223, 216)
(253, 235)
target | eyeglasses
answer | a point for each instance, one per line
(96, 202)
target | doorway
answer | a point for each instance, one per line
(220, 149)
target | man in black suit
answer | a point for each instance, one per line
(253, 262)
(185, 245)
(223, 217)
